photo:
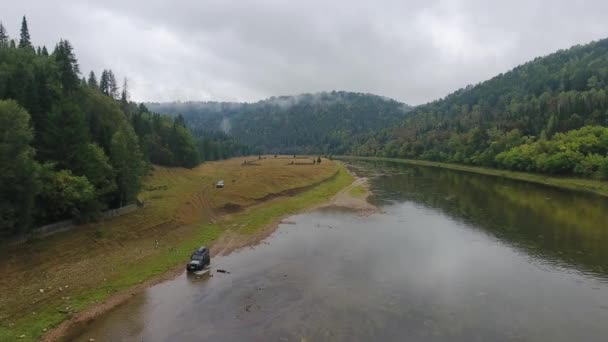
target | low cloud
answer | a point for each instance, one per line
(222, 50)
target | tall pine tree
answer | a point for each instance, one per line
(68, 65)
(3, 37)
(112, 85)
(19, 183)
(103, 82)
(124, 94)
(25, 42)
(92, 81)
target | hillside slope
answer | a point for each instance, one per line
(309, 123)
(531, 118)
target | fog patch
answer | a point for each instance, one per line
(225, 125)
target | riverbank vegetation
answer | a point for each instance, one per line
(47, 281)
(598, 187)
(72, 147)
(542, 116)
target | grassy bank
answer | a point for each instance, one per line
(46, 282)
(577, 184)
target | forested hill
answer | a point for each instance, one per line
(71, 147)
(544, 116)
(327, 122)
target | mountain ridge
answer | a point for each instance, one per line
(277, 124)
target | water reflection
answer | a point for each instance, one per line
(556, 225)
(453, 257)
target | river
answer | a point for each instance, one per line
(453, 256)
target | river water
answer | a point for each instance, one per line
(453, 257)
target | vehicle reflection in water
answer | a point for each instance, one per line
(453, 257)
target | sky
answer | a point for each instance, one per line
(224, 50)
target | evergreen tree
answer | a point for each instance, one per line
(68, 65)
(19, 183)
(92, 81)
(66, 149)
(128, 163)
(104, 83)
(3, 37)
(65, 135)
(25, 42)
(112, 85)
(124, 94)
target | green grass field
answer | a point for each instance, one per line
(577, 184)
(44, 282)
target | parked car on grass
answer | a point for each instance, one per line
(219, 184)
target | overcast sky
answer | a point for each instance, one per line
(413, 51)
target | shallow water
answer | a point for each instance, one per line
(453, 257)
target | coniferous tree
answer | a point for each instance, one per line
(19, 183)
(92, 81)
(67, 150)
(104, 83)
(68, 65)
(65, 135)
(25, 42)
(3, 37)
(124, 94)
(128, 163)
(112, 85)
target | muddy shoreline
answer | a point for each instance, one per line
(226, 244)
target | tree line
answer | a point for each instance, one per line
(546, 116)
(321, 123)
(72, 146)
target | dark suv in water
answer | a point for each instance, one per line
(198, 260)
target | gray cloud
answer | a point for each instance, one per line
(413, 51)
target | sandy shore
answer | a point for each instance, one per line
(345, 199)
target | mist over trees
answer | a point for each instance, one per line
(320, 123)
(71, 148)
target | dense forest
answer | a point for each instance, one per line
(327, 122)
(71, 146)
(543, 116)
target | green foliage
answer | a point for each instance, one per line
(96, 166)
(581, 152)
(218, 145)
(19, 183)
(76, 152)
(24, 41)
(67, 65)
(3, 37)
(65, 195)
(165, 141)
(92, 81)
(303, 124)
(128, 163)
(64, 135)
(535, 102)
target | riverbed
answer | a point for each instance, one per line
(451, 256)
